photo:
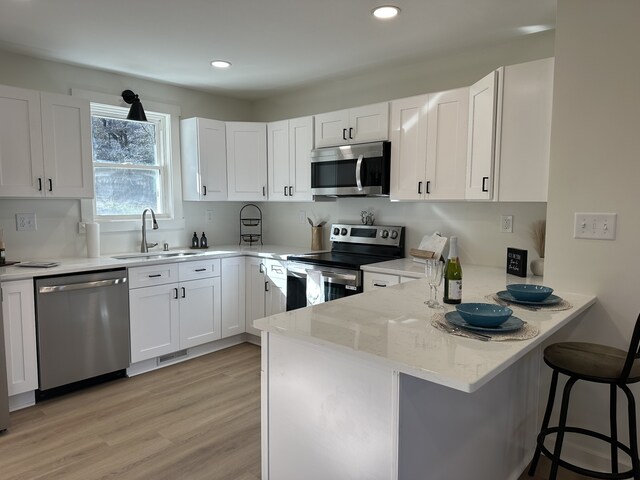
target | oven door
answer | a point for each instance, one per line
(336, 282)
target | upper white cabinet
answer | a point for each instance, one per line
(369, 123)
(429, 146)
(524, 139)
(289, 144)
(18, 312)
(45, 145)
(204, 159)
(481, 140)
(246, 161)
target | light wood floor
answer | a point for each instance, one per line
(195, 420)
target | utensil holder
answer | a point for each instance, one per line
(316, 238)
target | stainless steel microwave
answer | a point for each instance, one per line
(351, 170)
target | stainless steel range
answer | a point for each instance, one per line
(328, 276)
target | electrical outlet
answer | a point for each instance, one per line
(26, 222)
(596, 226)
(302, 216)
(506, 223)
(209, 216)
(82, 228)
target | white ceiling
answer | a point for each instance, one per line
(273, 44)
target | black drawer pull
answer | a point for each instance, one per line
(201, 270)
(155, 275)
(378, 285)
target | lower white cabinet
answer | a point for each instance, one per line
(374, 280)
(276, 286)
(20, 336)
(233, 296)
(174, 315)
(254, 292)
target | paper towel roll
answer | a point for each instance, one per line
(93, 239)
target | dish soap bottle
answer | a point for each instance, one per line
(203, 241)
(195, 243)
(453, 275)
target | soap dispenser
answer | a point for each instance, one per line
(195, 243)
(203, 241)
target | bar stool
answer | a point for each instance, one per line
(592, 363)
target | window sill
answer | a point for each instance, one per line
(107, 226)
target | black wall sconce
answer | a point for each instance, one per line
(136, 112)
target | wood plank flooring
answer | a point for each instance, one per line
(195, 420)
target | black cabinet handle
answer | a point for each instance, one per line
(261, 268)
(155, 275)
(285, 191)
(266, 286)
(39, 184)
(175, 290)
(351, 133)
(184, 292)
(291, 190)
(484, 184)
(264, 191)
(344, 133)
(428, 187)
(419, 188)
(201, 270)
(50, 185)
(378, 285)
(204, 190)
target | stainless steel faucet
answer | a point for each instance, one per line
(144, 246)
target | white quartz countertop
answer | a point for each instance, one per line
(83, 264)
(393, 326)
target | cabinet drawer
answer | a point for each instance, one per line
(200, 269)
(379, 280)
(153, 275)
(276, 269)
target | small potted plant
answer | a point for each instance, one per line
(538, 233)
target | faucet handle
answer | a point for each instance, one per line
(151, 245)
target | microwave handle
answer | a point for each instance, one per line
(358, 171)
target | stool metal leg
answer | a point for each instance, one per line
(545, 421)
(562, 423)
(633, 433)
(614, 427)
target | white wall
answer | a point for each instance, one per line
(595, 167)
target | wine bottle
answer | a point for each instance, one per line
(453, 274)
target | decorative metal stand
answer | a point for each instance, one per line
(250, 224)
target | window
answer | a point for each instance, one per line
(131, 163)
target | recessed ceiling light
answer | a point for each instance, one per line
(220, 64)
(386, 11)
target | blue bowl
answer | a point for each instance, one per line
(529, 293)
(484, 314)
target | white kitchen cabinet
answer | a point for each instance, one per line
(289, 144)
(483, 110)
(173, 307)
(368, 123)
(374, 280)
(522, 171)
(276, 287)
(204, 159)
(246, 161)
(429, 146)
(233, 296)
(18, 311)
(45, 145)
(255, 288)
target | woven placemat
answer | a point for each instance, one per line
(558, 307)
(527, 331)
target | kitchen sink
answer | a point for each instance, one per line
(156, 255)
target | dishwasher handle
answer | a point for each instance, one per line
(82, 286)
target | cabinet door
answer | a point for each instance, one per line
(20, 143)
(369, 123)
(481, 141)
(200, 312)
(204, 159)
(276, 296)
(18, 313)
(254, 293)
(278, 160)
(233, 296)
(332, 128)
(447, 145)
(66, 140)
(155, 323)
(246, 161)
(408, 147)
(525, 133)
(300, 146)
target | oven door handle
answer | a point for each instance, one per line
(341, 277)
(358, 172)
(81, 286)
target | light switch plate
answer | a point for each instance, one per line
(595, 226)
(25, 221)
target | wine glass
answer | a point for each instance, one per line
(433, 272)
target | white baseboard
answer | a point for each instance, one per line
(22, 400)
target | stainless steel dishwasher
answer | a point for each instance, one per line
(82, 328)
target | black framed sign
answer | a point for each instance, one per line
(517, 262)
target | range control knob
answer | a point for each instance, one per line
(384, 234)
(343, 231)
(336, 231)
(394, 234)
